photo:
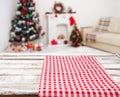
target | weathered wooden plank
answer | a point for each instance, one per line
(116, 78)
(18, 84)
(19, 89)
(21, 61)
(113, 58)
(21, 66)
(113, 66)
(42, 55)
(20, 71)
(35, 95)
(109, 56)
(57, 50)
(21, 86)
(10, 91)
(113, 72)
(18, 78)
(108, 61)
(26, 61)
(19, 81)
(32, 95)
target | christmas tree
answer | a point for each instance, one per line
(75, 37)
(25, 25)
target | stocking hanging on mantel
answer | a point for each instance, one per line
(72, 21)
(25, 25)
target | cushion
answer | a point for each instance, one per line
(115, 25)
(103, 24)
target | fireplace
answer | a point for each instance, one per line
(59, 28)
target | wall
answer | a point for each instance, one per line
(6, 14)
(87, 13)
(117, 8)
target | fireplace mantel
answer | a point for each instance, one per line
(55, 20)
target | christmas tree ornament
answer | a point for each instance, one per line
(33, 13)
(23, 39)
(12, 39)
(18, 37)
(23, 12)
(31, 8)
(18, 29)
(19, 4)
(32, 37)
(31, 22)
(18, 13)
(12, 34)
(27, 15)
(25, 2)
(65, 41)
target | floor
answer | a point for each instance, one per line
(19, 72)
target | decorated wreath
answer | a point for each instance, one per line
(58, 7)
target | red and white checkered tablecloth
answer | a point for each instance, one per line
(75, 76)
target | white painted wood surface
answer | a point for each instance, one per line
(20, 72)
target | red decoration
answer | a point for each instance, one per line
(56, 15)
(30, 46)
(78, 32)
(25, 2)
(72, 21)
(54, 42)
(23, 12)
(31, 21)
(66, 42)
(39, 48)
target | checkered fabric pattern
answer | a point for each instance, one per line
(104, 24)
(90, 37)
(75, 76)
